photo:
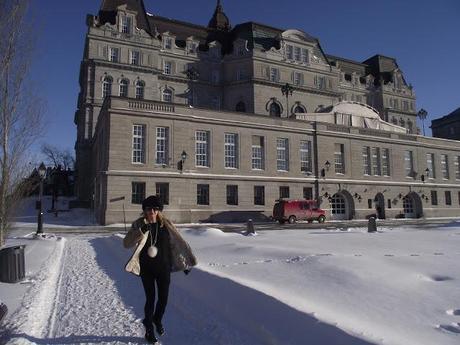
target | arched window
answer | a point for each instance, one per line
(299, 109)
(107, 87)
(402, 123)
(275, 110)
(241, 107)
(124, 88)
(167, 95)
(395, 122)
(140, 85)
(410, 126)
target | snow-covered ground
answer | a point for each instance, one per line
(398, 286)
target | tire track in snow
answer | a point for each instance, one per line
(88, 304)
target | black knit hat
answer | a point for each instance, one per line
(152, 201)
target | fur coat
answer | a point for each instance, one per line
(182, 257)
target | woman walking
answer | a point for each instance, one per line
(160, 250)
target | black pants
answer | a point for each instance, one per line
(149, 279)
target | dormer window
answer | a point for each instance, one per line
(168, 43)
(289, 52)
(297, 54)
(192, 47)
(304, 55)
(126, 24)
(241, 50)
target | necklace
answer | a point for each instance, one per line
(153, 251)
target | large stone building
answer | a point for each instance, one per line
(199, 115)
(447, 127)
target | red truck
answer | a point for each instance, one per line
(294, 210)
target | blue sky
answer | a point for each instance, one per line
(423, 35)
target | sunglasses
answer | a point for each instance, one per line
(148, 209)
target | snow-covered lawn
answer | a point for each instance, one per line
(397, 286)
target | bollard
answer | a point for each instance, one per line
(371, 225)
(250, 227)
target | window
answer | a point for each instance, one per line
(299, 109)
(114, 54)
(192, 47)
(448, 197)
(232, 195)
(297, 78)
(289, 52)
(430, 165)
(284, 192)
(459, 198)
(376, 169)
(215, 77)
(135, 57)
(202, 148)
(241, 50)
(388, 203)
(258, 161)
(369, 203)
(202, 194)
(457, 168)
(167, 95)
(216, 102)
(231, 150)
(297, 54)
(366, 160)
(320, 82)
(137, 192)
(386, 162)
(409, 164)
(274, 74)
(162, 191)
(308, 193)
(304, 55)
(339, 155)
(282, 154)
(106, 87)
(305, 156)
(445, 167)
(167, 67)
(240, 107)
(140, 85)
(138, 144)
(275, 110)
(239, 74)
(124, 88)
(168, 43)
(259, 195)
(434, 197)
(126, 24)
(162, 145)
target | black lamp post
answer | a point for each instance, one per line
(41, 175)
(183, 157)
(422, 114)
(287, 91)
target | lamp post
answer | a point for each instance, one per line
(41, 175)
(183, 157)
(422, 114)
(287, 91)
(192, 75)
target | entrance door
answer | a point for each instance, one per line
(409, 207)
(339, 207)
(380, 206)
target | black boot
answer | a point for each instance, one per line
(159, 327)
(150, 336)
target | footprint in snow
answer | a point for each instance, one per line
(453, 312)
(453, 328)
(414, 255)
(436, 278)
(438, 253)
(389, 255)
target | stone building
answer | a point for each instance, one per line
(199, 116)
(447, 127)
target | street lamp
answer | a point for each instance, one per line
(41, 175)
(422, 114)
(287, 91)
(183, 157)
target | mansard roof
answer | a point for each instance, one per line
(452, 117)
(108, 13)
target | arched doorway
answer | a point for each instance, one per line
(379, 201)
(412, 206)
(342, 206)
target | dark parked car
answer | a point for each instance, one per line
(294, 210)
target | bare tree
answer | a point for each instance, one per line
(57, 157)
(20, 110)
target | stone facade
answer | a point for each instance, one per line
(447, 127)
(154, 88)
